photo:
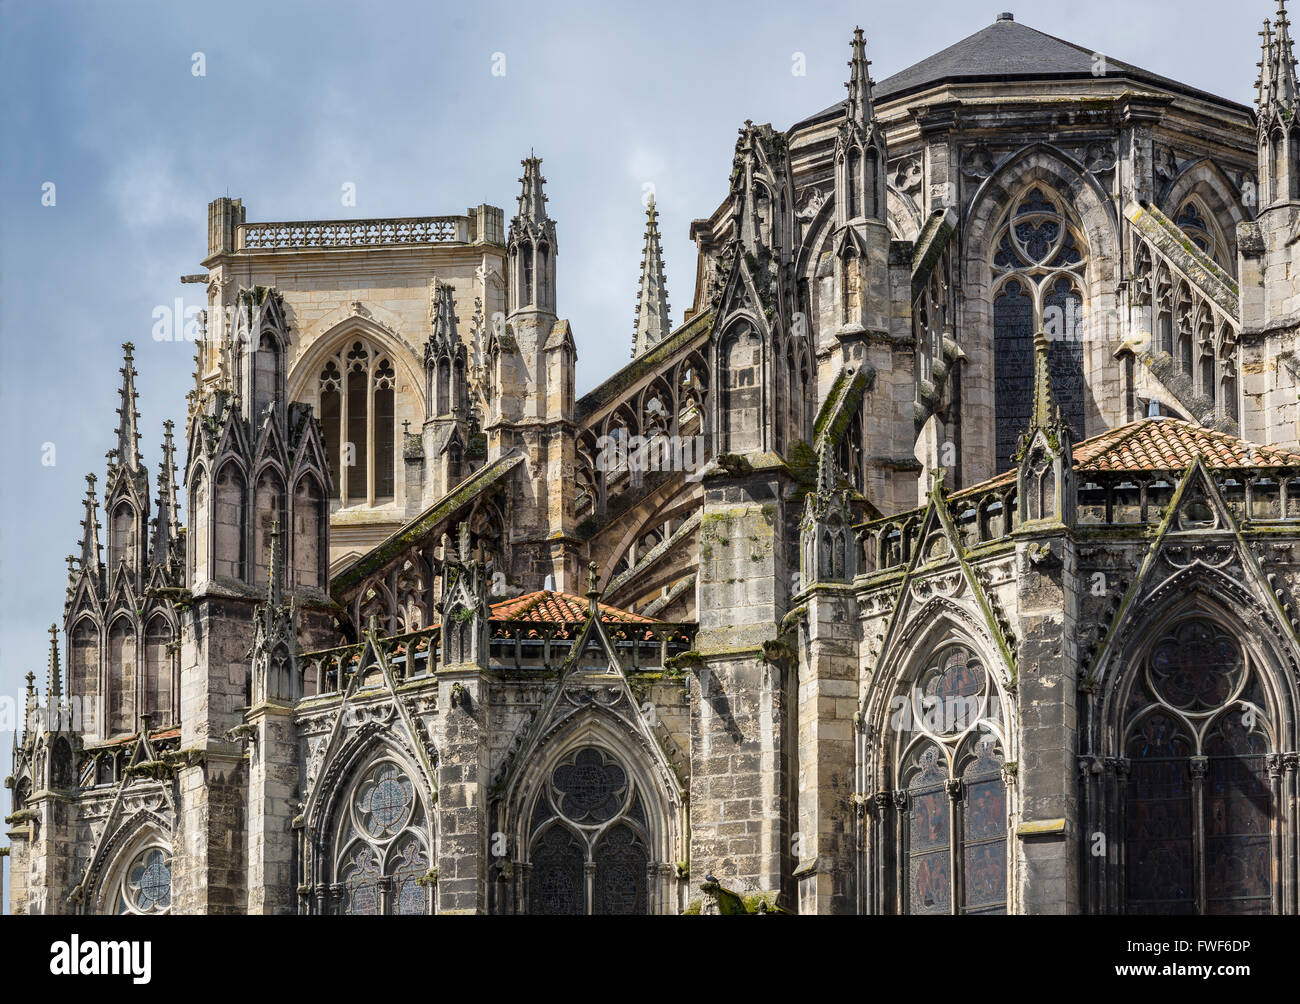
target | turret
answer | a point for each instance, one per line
(861, 240)
(1277, 129)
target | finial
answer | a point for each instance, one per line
(54, 683)
(128, 421)
(593, 581)
(1046, 414)
(274, 593)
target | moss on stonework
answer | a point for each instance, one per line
(684, 660)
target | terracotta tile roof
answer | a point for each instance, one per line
(1170, 444)
(561, 608)
(1160, 444)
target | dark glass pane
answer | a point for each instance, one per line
(929, 883)
(620, 881)
(1037, 238)
(1008, 255)
(331, 415)
(356, 474)
(984, 832)
(384, 443)
(1013, 367)
(1238, 816)
(558, 879)
(1035, 202)
(929, 870)
(1159, 849)
(1063, 325)
(954, 691)
(1068, 253)
(928, 820)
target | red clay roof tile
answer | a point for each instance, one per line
(560, 608)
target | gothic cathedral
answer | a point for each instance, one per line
(942, 560)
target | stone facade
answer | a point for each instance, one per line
(942, 560)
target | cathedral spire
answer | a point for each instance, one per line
(532, 198)
(128, 419)
(859, 109)
(167, 524)
(90, 552)
(652, 323)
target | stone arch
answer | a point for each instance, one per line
(368, 759)
(1206, 182)
(402, 353)
(107, 870)
(936, 623)
(1148, 747)
(936, 750)
(1216, 595)
(661, 822)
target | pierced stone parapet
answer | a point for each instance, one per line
(353, 233)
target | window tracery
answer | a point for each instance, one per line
(1039, 262)
(952, 794)
(589, 845)
(382, 851)
(146, 885)
(1199, 803)
(358, 415)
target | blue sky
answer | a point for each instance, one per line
(399, 99)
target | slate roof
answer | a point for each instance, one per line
(561, 608)
(1161, 444)
(1008, 50)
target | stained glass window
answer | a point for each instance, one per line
(929, 866)
(954, 802)
(1199, 807)
(589, 850)
(146, 888)
(383, 857)
(1039, 260)
(559, 886)
(984, 831)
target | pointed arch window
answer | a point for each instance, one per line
(588, 840)
(952, 795)
(1199, 804)
(122, 706)
(1039, 264)
(158, 661)
(83, 674)
(381, 859)
(357, 389)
